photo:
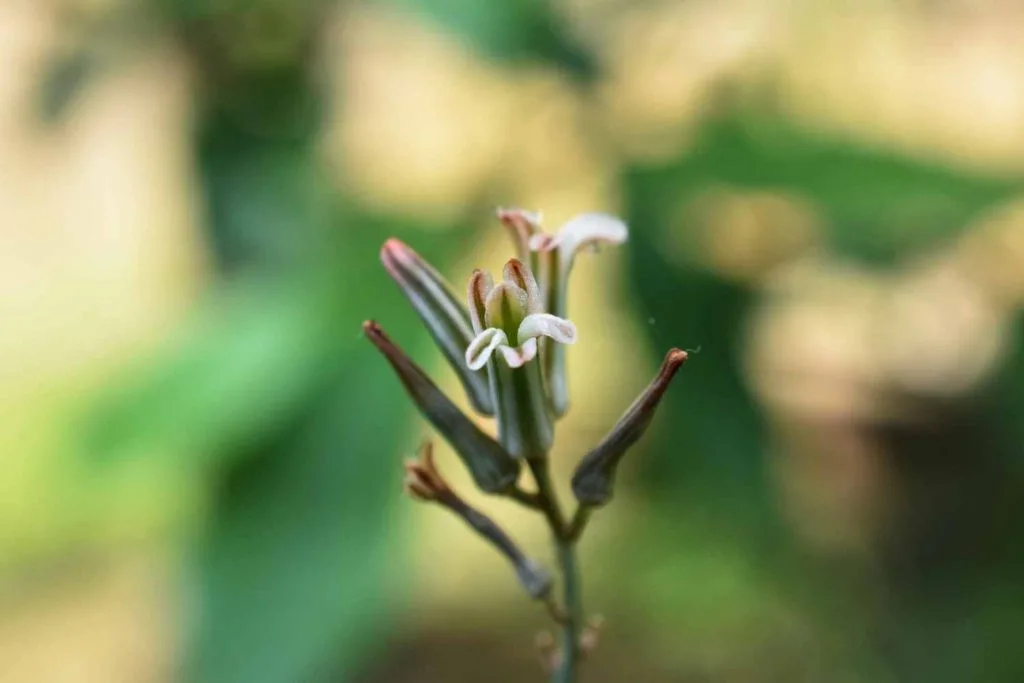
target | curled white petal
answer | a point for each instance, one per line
(543, 242)
(547, 325)
(483, 345)
(530, 219)
(518, 356)
(581, 231)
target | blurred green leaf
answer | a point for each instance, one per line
(290, 575)
(876, 204)
(707, 465)
(100, 41)
(249, 362)
(510, 31)
(62, 82)
(711, 437)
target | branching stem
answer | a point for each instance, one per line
(525, 498)
(578, 523)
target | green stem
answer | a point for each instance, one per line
(546, 496)
(567, 667)
(578, 523)
(565, 548)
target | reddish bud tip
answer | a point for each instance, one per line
(594, 478)
(371, 329)
(675, 358)
(394, 245)
(393, 253)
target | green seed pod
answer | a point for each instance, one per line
(442, 312)
(594, 478)
(492, 468)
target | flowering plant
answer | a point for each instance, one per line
(507, 346)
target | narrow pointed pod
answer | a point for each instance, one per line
(594, 479)
(443, 314)
(490, 465)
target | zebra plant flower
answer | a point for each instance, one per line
(553, 257)
(507, 346)
(508, 318)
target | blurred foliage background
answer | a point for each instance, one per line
(201, 456)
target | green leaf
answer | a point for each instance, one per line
(249, 361)
(509, 31)
(289, 577)
(876, 204)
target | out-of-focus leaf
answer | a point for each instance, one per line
(876, 204)
(510, 31)
(290, 577)
(249, 362)
(62, 82)
(708, 461)
(101, 42)
(710, 436)
(1009, 391)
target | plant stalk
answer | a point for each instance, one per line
(566, 667)
(565, 548)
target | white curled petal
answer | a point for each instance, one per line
(590, 228)
(521, 219)
(543, 242)
(521, 226)
(547, 325)
(521, 355)
(480, 349)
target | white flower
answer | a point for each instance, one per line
(552, 256)
(509, 317)
(585, 230)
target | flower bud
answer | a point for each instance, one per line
(443, 314)
(522, 226)
(594, 478)
(492, 468)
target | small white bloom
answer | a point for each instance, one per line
(509, 317)
(588, 229)
(552, 257)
